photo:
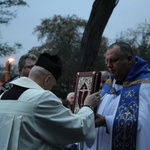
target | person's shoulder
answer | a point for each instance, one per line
(44, 98)
(50, 94)
(41, 95)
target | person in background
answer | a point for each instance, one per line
(34, 118)
(125, 103)
(104, 76)
(25, 63)
(70, 97)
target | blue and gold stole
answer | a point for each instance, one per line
(126, 119)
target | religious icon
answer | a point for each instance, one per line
(86, 83)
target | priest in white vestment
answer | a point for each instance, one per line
(125, 103)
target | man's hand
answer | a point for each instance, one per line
(99, 120)
(92, 100)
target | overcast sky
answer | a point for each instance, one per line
(127, 14)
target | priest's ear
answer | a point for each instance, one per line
(131, 59)
(50, 81)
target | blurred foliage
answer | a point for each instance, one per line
(7, 13)
(5, 49)
(100, 63)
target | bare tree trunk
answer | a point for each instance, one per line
(100, 14)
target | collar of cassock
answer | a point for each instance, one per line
(139, 73)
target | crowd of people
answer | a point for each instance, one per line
(32, 117)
